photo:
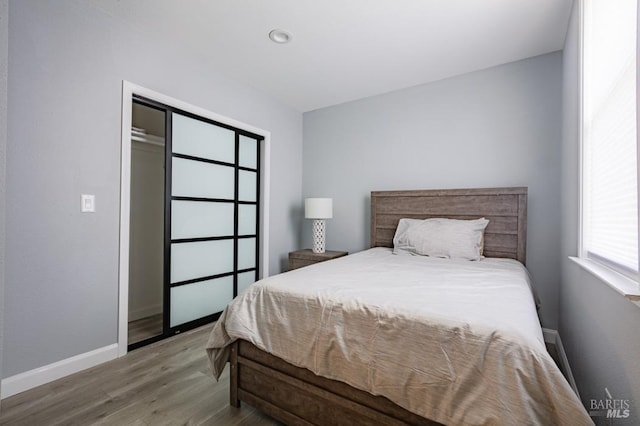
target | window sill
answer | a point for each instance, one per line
(621, 284)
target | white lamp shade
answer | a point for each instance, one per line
(318, 208)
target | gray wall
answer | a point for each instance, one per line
(496, 127)
(4, 55)
(598, 327)
(67, 62)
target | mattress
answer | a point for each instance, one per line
(454, 341)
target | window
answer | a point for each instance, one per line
(609, 135)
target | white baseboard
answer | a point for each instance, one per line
(144, 312)
(48, 373)
(552, 336)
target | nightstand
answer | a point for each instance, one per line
(300, 258)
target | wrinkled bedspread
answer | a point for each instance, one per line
(457, 342)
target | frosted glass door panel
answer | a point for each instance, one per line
(245, 279)
(246, 253)
(192, 301)
(200, 259)
(196, 219)
(205, 180)
(199, 139)
(247, 188)
(248, 152)
(246, 219)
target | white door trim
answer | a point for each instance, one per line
(128, 90)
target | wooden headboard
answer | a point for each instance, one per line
(506, 209)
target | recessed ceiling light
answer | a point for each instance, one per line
(280, 36)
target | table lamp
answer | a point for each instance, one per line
(318, 209)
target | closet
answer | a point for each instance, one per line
(146, 224)
(194, 228)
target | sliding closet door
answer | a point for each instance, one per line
(211, 217)
(248, 196)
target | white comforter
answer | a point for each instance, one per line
(457, 342)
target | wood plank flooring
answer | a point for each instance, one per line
(165, 383)
(144, 328)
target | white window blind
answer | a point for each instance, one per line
(610, 176)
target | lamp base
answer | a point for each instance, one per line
(318, 236)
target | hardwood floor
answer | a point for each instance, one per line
(144, 328)
(165, 383)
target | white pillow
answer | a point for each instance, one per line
(448, 238)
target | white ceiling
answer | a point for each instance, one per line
(344, 50)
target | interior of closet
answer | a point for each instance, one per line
(146, 223)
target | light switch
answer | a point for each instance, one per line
(88, 203)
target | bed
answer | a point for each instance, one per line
(380, 338)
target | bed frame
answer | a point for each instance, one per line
(295, 395)
(506, 209)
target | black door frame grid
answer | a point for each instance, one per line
(169, 156)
